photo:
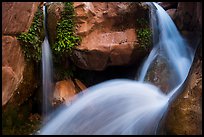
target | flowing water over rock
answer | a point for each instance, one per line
(47, 73)
(125, 106)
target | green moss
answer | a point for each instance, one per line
(31, 41)
(144, 33)
(66, 38)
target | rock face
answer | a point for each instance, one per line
(108, 34)
(66, 90)
(168, 5)
(13, 65)
(185, 114)
(54, 15)
(172, 13)
(189, 16)
(17, 16)
(18, 75)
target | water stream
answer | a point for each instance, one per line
(124, 106)
(47, 72)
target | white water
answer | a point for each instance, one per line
(126, 106)
(47, 73)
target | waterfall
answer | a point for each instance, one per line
(171, 47)
(124, 106)
(47, 72)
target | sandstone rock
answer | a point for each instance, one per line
(9, 84)
(13, 65)
(189, 16)
(66, 90)
(185, 114)
(80, 85)
(17, 16)
(168, 5)
(53, 16)
(172, 13)
(108, 34)
(188, 19)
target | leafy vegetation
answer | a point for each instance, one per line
(144, 33)
(66, 38)
(31, 41)
(65, 41)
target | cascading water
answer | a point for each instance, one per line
(126, 106)
(47, 73)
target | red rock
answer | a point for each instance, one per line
(17, 16)
(189, 16)
(108, 34)
(80, 84)
(13, 65)
(66, 90)
(9, 84)
(168, 5)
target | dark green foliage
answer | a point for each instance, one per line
(144, 33)
(65, 41)
(66, 38)
(32, 40)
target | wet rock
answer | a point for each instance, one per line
(168, 5)
(66, 90)
(161, 74)
(108, 34)
(17, 16)
(185, 114)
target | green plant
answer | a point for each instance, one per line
(144, 37)
(31, 41)
(144, 33)
(66, 38)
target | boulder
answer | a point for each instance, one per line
(65, 91)
(108, 34)
(13, 65)
(17, 16)
(17, 75)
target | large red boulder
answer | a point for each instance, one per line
(108, 34)
(17, 16)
